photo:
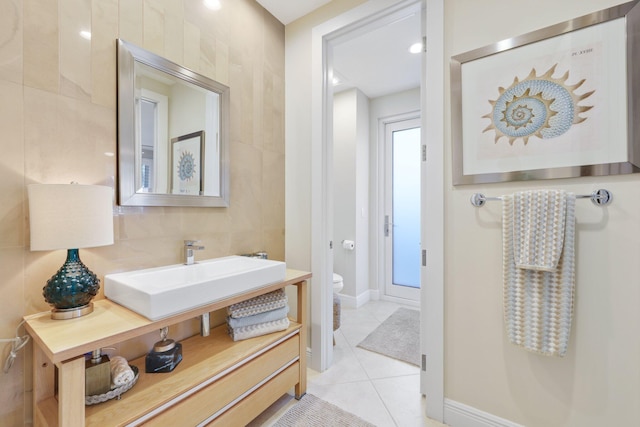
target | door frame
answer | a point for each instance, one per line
(348, 25)
(433, 201)
(432, 275)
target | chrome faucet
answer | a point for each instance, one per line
(189, 247)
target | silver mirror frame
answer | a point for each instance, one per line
(631, 12)
(127, 54)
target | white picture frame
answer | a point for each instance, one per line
(554, 103)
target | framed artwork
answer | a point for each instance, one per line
(187, 157)
(555, 103)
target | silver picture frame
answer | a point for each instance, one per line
(474, 135)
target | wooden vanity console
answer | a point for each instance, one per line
(218, 382)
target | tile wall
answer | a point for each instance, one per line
(58, 124)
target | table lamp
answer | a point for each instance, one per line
(70, 216)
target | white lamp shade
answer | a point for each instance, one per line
(70, 216)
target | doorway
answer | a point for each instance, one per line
(369, 19)
(153, 109)
(432, 194)
(402, 144)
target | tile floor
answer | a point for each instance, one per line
(379, 389)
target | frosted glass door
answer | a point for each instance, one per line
(402, 221)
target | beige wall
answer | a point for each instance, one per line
(298, 129)
(298, 68)
(598, 382)
(58, 119)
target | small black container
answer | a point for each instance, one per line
(164, 357)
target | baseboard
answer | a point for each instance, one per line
(402, 301)
(355, 302)
(457, 414)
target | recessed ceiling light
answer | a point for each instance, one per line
(85, 34)
(416, 48)
(338, 79)
(212, 4)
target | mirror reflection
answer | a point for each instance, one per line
(172, 133)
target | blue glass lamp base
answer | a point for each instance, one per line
(71, 289)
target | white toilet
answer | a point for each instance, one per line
(338, 283)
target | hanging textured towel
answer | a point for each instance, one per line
(538, 303)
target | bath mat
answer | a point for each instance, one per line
(397, 337)
(312, 411)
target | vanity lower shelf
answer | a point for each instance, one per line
(219, 381)
(215, 373)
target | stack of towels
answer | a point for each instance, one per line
(257, 316)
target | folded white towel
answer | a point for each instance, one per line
(121, 372)
(538, 228)
(251, 331)
(267, 316)
(259, 304)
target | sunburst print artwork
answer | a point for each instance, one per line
(540, 106)
(186, 166)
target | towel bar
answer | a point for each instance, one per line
(599, 197)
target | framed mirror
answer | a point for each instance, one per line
(173, 133)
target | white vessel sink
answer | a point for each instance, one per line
(164, 291)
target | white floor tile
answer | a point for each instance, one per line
(381, 310)
(359, 398)
(356, 329)
(402, 398)
(345, 368)
(379, 389)
(379, 366)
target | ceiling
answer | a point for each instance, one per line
(289, 10)
(377, 62)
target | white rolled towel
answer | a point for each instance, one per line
(121, 372)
